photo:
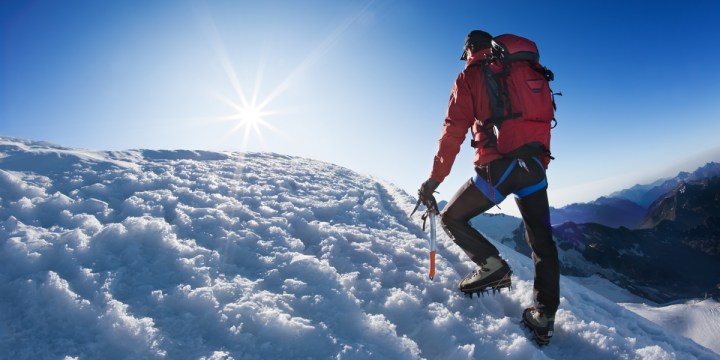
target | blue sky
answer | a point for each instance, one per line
(363, 84)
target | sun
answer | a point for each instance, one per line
(253, 116)
(249, 115)
(252, 120)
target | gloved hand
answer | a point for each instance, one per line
(425, 194)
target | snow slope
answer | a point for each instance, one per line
(695, 319)
(199, 255)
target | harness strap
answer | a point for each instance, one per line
(507, 172)
(524, 192)
(492, 193)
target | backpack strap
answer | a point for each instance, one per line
(498, 97)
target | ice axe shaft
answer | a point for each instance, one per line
(433, 245)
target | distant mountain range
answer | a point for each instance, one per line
(676, 255)
(660, 241)
(645, 195)
(629, 207)
(609, 211)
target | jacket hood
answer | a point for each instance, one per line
(477, 56)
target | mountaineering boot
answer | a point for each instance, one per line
(541, 325)
(493, 274)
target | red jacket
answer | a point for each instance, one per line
(468, 101)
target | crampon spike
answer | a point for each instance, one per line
(488, 290)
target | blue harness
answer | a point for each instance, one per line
(495, 196)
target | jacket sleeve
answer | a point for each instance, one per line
(460, 117)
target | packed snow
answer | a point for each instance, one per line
(209, 255)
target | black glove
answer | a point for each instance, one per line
(425, 194)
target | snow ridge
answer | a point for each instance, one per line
(202, 255)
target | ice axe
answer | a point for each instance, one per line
(430, 214)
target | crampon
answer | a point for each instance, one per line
(494, 287)
(541, 326)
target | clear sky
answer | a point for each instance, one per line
(363, 84)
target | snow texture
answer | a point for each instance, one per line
(695, 319)
(204, 255)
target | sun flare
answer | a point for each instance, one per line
(251, 113)
(252, 119)
(249, 116)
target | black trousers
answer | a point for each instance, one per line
(492, 183)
